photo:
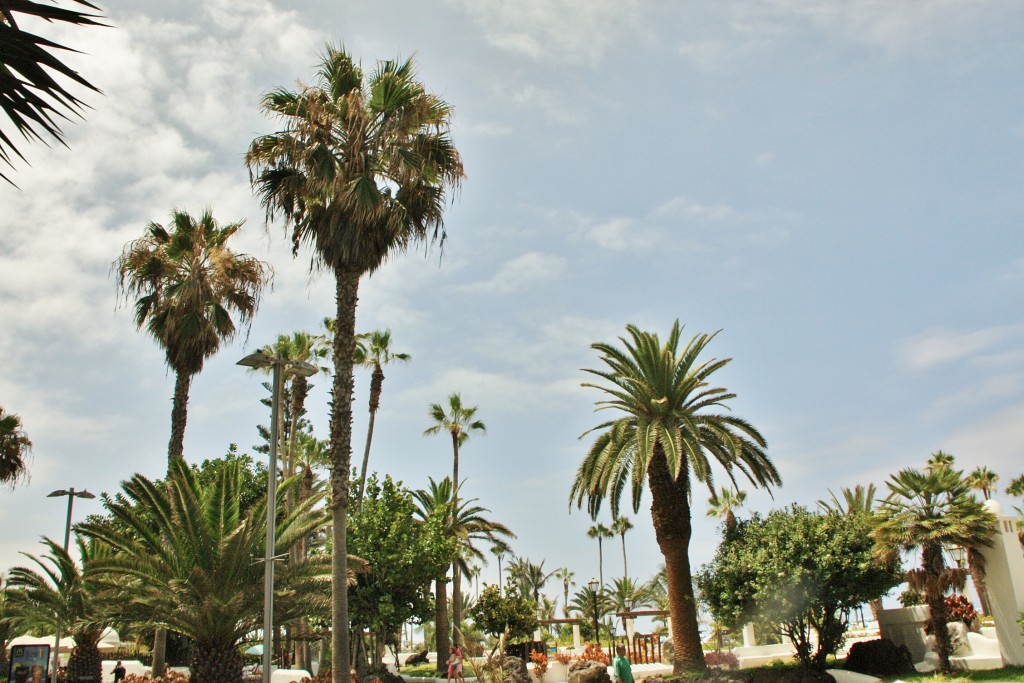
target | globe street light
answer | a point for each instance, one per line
(71, 493)
(262, 359)
(594, 585)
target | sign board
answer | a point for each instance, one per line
(29, 664)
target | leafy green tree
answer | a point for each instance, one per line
(724, 504)
(30, 96)
(404, 554)
(58, 590)
(510, 613)
(668, 428)
(458, 421)
(360, 172)
(14, 449)
(600, 532)
(373, 350)
(190, 556)
(804, 569)
(927, 511)
(620, 526)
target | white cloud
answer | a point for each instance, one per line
(524, 271)
(938, 347)
(992, 440)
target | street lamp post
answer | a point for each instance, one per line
(71, 493)
(261, 359)
(594, 585)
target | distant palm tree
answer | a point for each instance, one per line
(499, 552)
(14, 449)
(724, 504)
(458, 422)
(940, 459)
(583, 604)
(529, 577)
(931, 510)
(620, 525)
(627, 596)
(189, 284)
(983, 479)
(30, 96)
(565, 575)
(859, 499)
(600, 532)
(373, 351)
(670, 425)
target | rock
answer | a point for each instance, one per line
(958, 639)
(418, 658)
(668, 652)
(588, 671)
(880, 658)
(514, 670)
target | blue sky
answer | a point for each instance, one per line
(833, 185)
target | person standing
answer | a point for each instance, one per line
(119, 671)
(621, 666)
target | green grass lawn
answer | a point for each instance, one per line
(1015, 674)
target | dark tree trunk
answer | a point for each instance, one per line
(85, 661)
(456, 572)
(441, 622)
(216, 662)
(376, 385)
(179, 416)
(670, 512)
(933, 564)
(347, 294)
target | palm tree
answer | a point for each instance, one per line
(14, 449)
(190, 556)
(724, 505)
(668, 430)
(626, 595)
(30, 96)
(859, 499)
(373, 351)
(189, 283)
(620, 525)
(529, 577)
(565, 575)
(59, 591)
(583, 604)
(600, 532)
(931, 510)
(466, 522)
(458, 422)
(360, 172)
(499, 552)
(983, 479)
(940, 459)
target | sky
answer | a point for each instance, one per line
(833, 186)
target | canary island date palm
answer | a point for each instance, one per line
(58, 590)
(373, 350)
(670, 426)
(14, 449)
(928, 511)
(188, 285)
(190, 559)
(458, 421)
(359, 171)
(31, 95)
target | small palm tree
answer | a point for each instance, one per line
(529, 577)
(373, 351)
(600, 532)
(583, 603)
(928, 511)
(669, 426)
(565, 575)
(983, 479)
(859, 499)
(14, 449)
(627, 595)
(621, 525)
(724, 504)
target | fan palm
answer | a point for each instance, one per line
(191, 555)
(620, 526)
(360, 172)
(565, 575)
(983, 479)
(931, 510)
(600, 532)
(373, 351)
(458, 422)
(59, 592)
(30, 96)
(467, 523)
(724, 505)
(668, 431)
(14, 449)
(189, 284)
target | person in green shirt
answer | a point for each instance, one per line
(623, 672)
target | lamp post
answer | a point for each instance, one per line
(594, 585)
(262, 359)
(71, 493)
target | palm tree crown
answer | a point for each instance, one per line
(724, 505)
(669, 428)
(14, 449)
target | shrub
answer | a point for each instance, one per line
(540, 664)
(596, 654)
(909, 598)
(880, 658)
(722, 660)
(959, 608)
(562, 657)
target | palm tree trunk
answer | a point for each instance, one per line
(216, 662)
(625, 567)
(600, 560)
(159, 652)
(347, 295)
(441, 621)
(300, 389)
(376, 384)
(670, 513)
(179, 416)
(456, 572)
(931, 561)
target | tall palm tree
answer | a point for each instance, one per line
(600, 532)
(983, 479)
(373, 351)
(458, 422)
(14, 449)
(467, 523)
(191, 555)
(668, 427)
(30, 96)
(188, 284)
(621, 525)
(60, 591)
(499, 552)
(360, 172)
(565, 575)
(724, 504)
(927, 511)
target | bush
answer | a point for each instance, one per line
(722, 660)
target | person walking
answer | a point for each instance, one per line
(621, 666)
(119, 671)
(455, 665)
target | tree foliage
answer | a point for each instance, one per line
(511, 613)
(803, 569)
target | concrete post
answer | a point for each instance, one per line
(630, 630)
(576, 640)
(749, 637)
(1004, 576)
